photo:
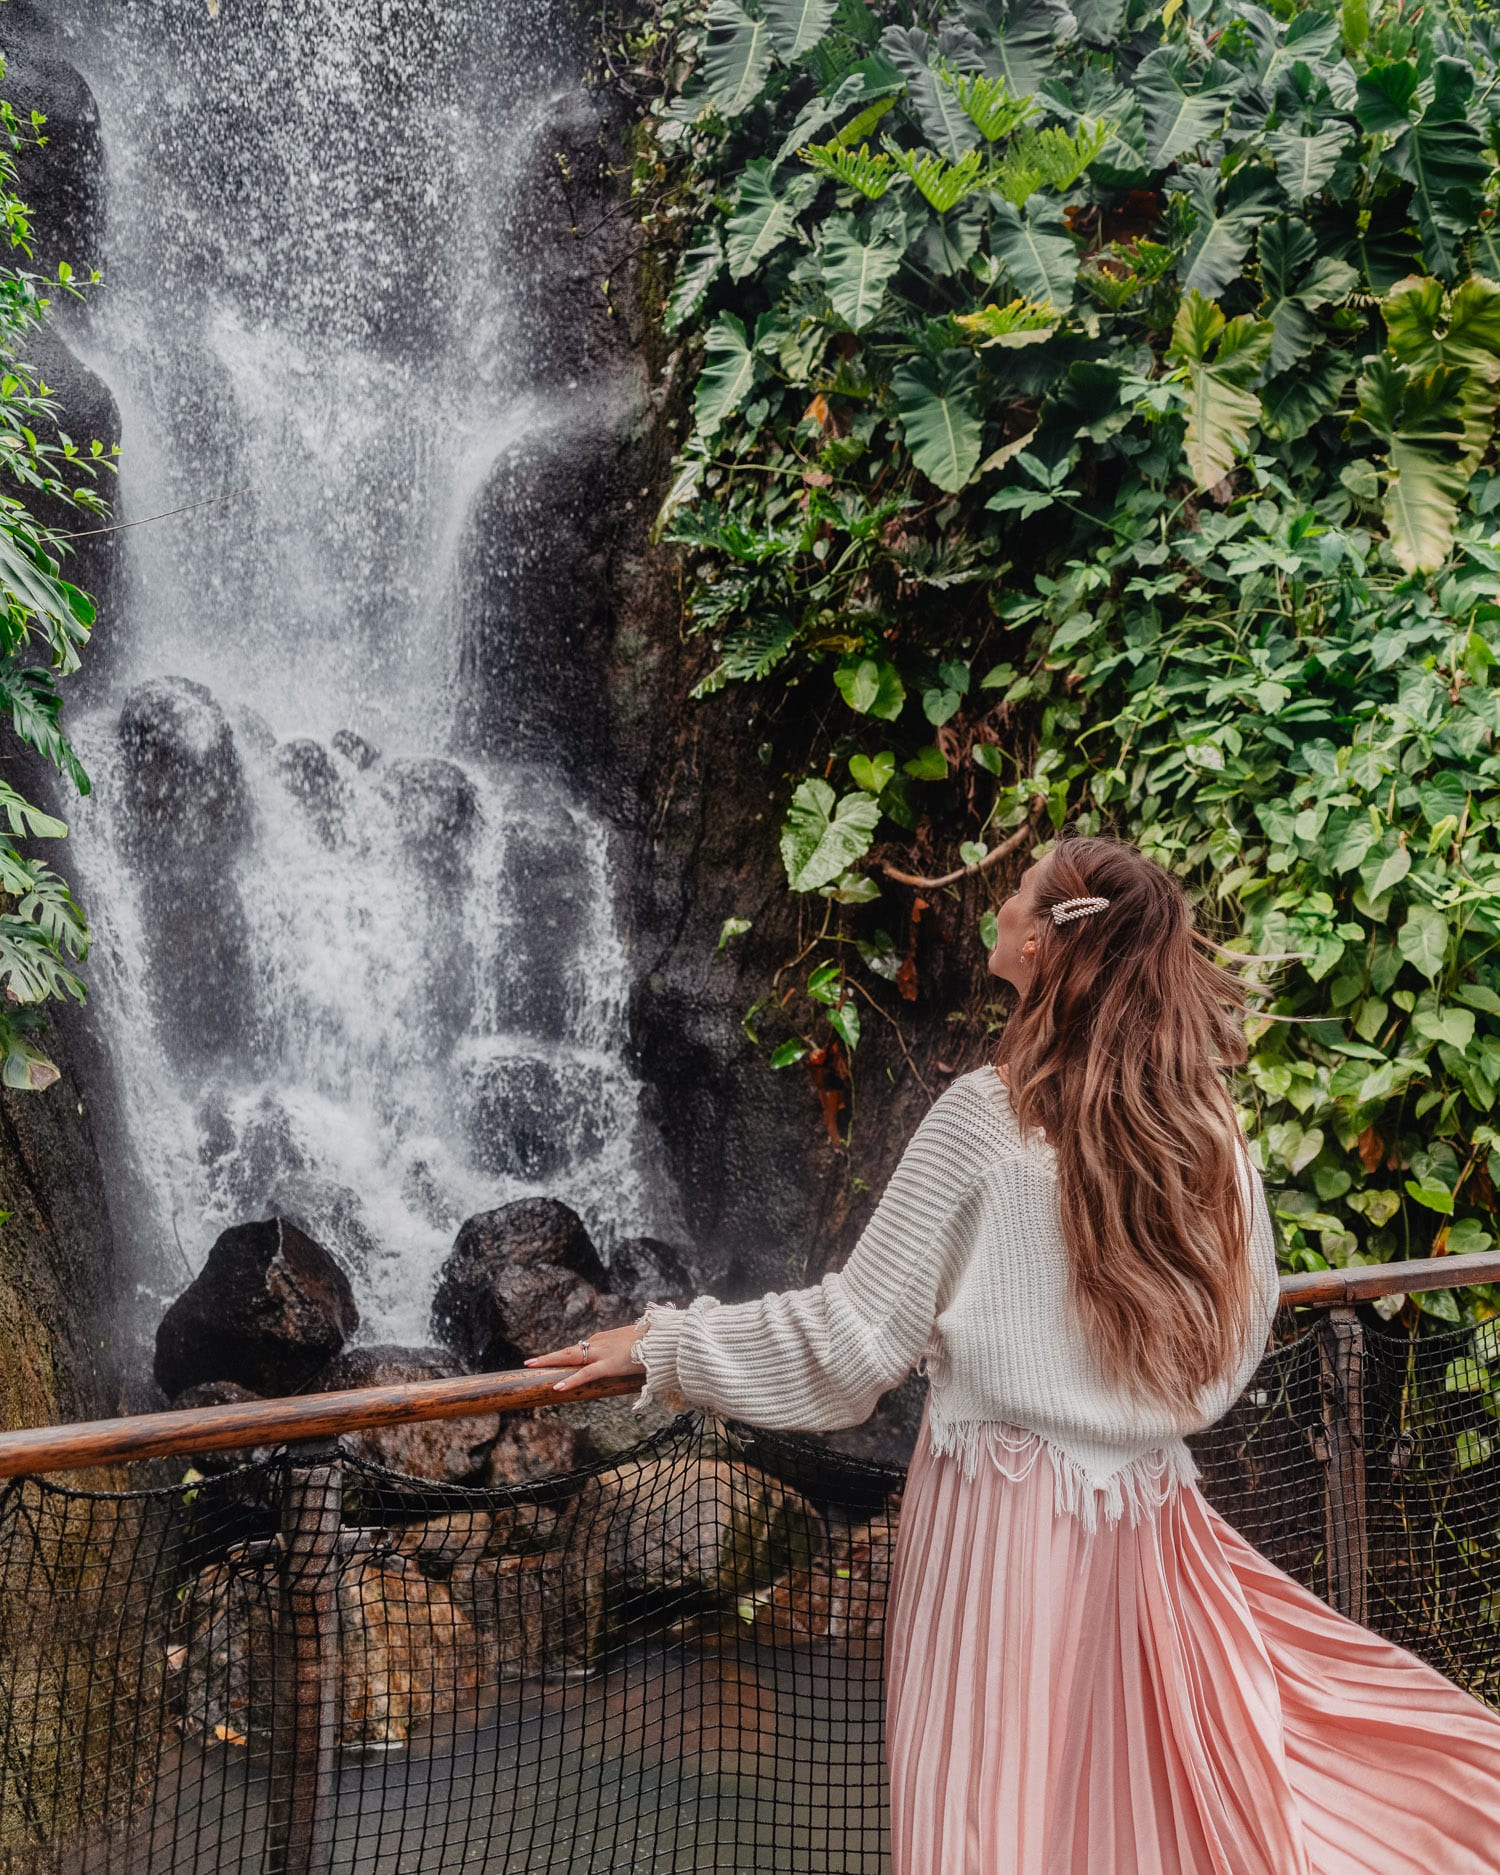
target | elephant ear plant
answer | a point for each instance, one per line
(44, 622)
(1093, 420)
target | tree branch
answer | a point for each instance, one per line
(1003, 851)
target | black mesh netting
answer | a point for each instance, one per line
(669, 1661)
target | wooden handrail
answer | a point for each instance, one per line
(1325, 1287)
(324, 1415)
(278, 1422)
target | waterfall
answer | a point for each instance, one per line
(354, 960)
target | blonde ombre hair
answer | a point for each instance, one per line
(1119, 1050)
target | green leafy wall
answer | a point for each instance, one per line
(1093, 420)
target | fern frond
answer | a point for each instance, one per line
(988, 104)
(855, 169)
(944, 184)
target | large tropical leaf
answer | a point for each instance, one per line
(823, 836)
(1021, 50)
(1419, 417)
(736, 57)
(940, 417)
(1036, 250)
(1427, 327)
(728, 372)
(1219, 361)
(1296, 282)
(857, 266)
(1183, 106)
(696, 273)
(1299, 398)
(1305, 165)
(1221, 236)
(763, 218)
(798, 25)
(945, 123)
(1442, 156)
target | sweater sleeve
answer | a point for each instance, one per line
(819, 1358)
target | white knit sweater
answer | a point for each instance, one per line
(962, 1273)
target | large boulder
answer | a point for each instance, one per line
(521, 1280)
(644, 1269)
(185, 786)
(408, 1652)
(453, 1451)
(269, 1309)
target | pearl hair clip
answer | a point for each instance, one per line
(1072, 908)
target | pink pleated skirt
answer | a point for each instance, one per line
(1154, 1699)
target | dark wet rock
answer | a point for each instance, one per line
(644, 1269)
(313, 781)
(269, 1310)
(184, 787)
(211, 1393)
(531, 1116)
(455, 1451)
(326, 1211)
(699, 1524)
(837, 1599)
(355, 749)
(409, 1652)
(534, 977)
(534, 1445)
(521, 1280)
(436, 813)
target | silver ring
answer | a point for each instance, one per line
(583, 1347)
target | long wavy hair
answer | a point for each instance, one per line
(1119, 1051)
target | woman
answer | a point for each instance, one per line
(1088, 1671)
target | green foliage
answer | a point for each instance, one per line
(44, 622)
(1116, 445)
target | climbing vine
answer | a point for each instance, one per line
(44, 623)
(1094, 407)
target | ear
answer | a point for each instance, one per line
(1028, 948)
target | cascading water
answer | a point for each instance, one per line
(350, 962)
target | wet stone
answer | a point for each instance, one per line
(269, 1310)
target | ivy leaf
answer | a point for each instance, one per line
(728, 372)
(1036, 251)
(1178, 117)
(928, 764)
(1305, 165)
(763, 219)
(1220, 406)
(736, 57)
(872, 772)
(945, 123)
(1385, 868)
(871, 687)
(1442, 156)
(732, 928)
(1423, 940)
(696, 273)
(940, 418)
(823, 837)
(856, 272)
(1418, 415)
(798, 25)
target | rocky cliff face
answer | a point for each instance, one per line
(57, 1264)
(573, 655)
